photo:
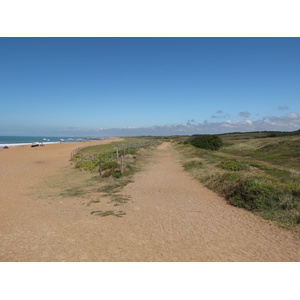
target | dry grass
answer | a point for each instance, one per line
(265, 188)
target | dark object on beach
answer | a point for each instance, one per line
(35, 145)
(5, 147)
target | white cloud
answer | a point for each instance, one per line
(289, 122)
(292, 116)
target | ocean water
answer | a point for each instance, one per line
(28, 140)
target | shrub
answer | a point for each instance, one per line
(253, 195)
(110, 165)
(116, 174)
(86, 165)
(231, 165)
(208, 142)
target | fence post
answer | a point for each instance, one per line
(100, 168)
(117, 153)
(122, 164)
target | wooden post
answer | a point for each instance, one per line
(117, 153)
(100, 168)
(122, 165)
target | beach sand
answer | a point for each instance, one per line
(23, 225)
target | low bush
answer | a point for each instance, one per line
(208, 142)
(116, 174)
(231, 165)
(110, 165)
(87, 165)
(253, 194)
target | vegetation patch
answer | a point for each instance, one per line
(110, 165)
(252, 194)
(73, 192)
(119, 199)
(232, 165)
(192, 164)
(115, 187)
(270, 188)
(208, 142)
(259, 166)
(87, 165)
(106, 213)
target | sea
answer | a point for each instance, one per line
(10, 141)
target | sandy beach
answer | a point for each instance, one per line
(169, 216)
(21, 216)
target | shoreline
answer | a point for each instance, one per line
(46, 143)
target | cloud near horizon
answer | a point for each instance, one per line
(289, 122)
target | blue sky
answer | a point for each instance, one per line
(136, 86)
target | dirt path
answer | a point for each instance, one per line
(177, 219)
(170, 217)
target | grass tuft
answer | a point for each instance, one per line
(106, 213)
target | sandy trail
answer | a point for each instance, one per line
(170, 217)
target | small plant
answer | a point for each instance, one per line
(116, 174)
(106, 213)
(118, 199)
(110, 165)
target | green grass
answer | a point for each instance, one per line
(281, 151)
(110, 165)
(88, 158)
